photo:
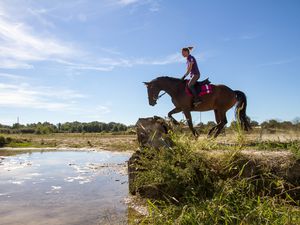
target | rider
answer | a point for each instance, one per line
(193, 70)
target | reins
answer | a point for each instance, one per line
(161, 95)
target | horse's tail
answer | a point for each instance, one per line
(240, 111)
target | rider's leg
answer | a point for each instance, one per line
(192, 88)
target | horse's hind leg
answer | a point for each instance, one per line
(217, 121)
(212, 130)
(221, 124)
(188, 117)
(173, 111)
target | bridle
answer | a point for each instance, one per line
(159, 96)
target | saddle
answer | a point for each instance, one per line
(204, 82)
(202, 87)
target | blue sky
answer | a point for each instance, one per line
(86, 60)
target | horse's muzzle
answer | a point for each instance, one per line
(152, 103)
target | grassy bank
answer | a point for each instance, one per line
(71, 140)
(190, 184)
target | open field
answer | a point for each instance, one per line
(253, 140)
(73, 140)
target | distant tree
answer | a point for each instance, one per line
(271, 124)
(59, 127)
(17, 126)
(68, 127)
(254, 123)
(286, 125)
(200, 124)
(211, 124)
(296, 120)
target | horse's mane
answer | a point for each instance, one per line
(167, 78)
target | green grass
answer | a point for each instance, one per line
(28, 145)
(23, 143)
(192, 189)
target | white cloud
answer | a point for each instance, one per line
(152, 5)
(111, 63)
(81, 66)
(38, 15)
(19, 45)
(11, 76)
(127, 2)
(17, 92)
(25, 95)
(173, 58)
(13, 64)
(101, 109)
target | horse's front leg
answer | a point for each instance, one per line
(173, 111)
(188, 117)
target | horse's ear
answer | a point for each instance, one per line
(146, 83)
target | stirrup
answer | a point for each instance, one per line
(196, 103)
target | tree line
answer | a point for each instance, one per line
(68, 127)
(112, 127)
(270, 125)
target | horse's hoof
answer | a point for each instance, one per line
(196, 135)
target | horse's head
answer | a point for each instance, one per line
(153, 91)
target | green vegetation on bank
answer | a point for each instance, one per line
(194, 189)
(22, 143)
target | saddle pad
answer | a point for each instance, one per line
(205, 89)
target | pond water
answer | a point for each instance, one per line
(70, 187)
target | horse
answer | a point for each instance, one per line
(220, 100)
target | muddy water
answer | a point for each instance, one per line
(63, 188)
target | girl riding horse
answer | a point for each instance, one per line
(193, 70)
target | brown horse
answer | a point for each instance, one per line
(220, 100)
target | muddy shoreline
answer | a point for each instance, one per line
(84, 149)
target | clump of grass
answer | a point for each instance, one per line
(193, 190)
(234, 203)
(189, 142)
(295, 149)
(28, 144)
(277, 145)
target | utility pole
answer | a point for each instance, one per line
(18, 120)
(200, 118)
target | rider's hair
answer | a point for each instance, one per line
(187, 49)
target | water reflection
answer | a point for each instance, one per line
(63, 187)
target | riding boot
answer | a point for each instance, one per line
(197, 99)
